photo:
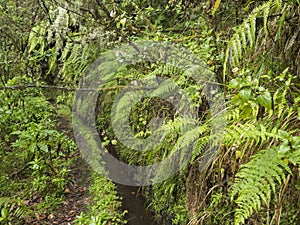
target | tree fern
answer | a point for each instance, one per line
(256, 181)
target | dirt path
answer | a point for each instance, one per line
(77, 196)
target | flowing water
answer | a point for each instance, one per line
(135, 204)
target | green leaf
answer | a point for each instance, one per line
(4, 213)
(43, 147)
(234, 83)
(284, 148)
(265, 99)
(52, 61)
(32, 147)
(296, 142)
(284, 135)
(245, 94)
(247, 111)
(16, 132)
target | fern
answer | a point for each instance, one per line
(36, 37)
(245, 36)
(256, 181)
(191, 138)
(11, 207)
(249, 135)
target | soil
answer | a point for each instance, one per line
(76, 198)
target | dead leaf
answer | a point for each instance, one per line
(51, 217)
(67, 191)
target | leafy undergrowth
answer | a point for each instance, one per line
(253, 48)
(35, 157)
(105, 207)
(43, 180)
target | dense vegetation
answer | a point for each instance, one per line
(252, 47)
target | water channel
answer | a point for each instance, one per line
(135, 204)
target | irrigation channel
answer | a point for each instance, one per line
(132, 201)
(135, 204)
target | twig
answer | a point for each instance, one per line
(16, 87)
(103, 7)
(129, 87)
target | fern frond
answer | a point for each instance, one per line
(245, 36)
(256, 181)
(13, 207)
(190, 137)
(165, 70)
(280, 24)
(266, 14)
(166, 88)
(241, 133)
(36, 38)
